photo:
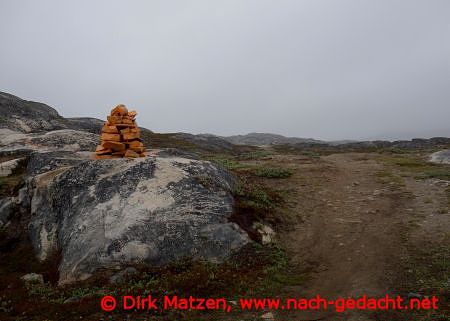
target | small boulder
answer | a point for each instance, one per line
(121, 276)
(33, 278)
(268, 316)
(441, 157)
(266, 232)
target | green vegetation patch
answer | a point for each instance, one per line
(418, 167)
(256, 196)
(255, 155)
(273, 172)
(386, 177)
(253, 271)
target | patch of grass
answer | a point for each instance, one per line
(425, 270)
(273, 172)
(447, 192)
(255, 196)
(45, 292)
(255, 270)
(311, 154)
(231, 164)
(227, 161)
(394, 150)
(386, 177)
(406, 162)
(428, 200)
(429, 268)
(436, 172)
(255, 155)
(419, 168)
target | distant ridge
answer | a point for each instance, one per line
(262, 139)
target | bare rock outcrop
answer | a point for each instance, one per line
(108, 213)
(441, 157)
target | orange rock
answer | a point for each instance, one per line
(110, 137)
(107, 156)
(127, 121)
(110, 129)
(138, 149)
(120, 135)
(135, 144)
(122, 125)
(119, 110)
(115, 146)
(99, 148)
(115, 120)
(104, 152)
(130, 136)
(131, 153)
(129, 130)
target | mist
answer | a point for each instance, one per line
(327, 69)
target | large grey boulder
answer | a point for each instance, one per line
(441, 157)
(112, 213)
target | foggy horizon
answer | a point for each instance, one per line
(312, 69)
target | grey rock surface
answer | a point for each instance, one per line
(27, 116)
(7, 168)
(121, 276)
(441, 157)
(30, 117)
(64, 139)
(109, 213)
(6, 210)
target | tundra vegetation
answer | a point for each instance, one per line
(290, 189)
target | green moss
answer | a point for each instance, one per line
(273, 172)
(255, 196)
(255, 155)
(442, 173)
(386, 177)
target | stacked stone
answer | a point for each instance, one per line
(120, 135)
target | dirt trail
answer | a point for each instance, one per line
(350, 235)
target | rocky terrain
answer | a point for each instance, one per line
(109, 213)
(265, 139)
(203, 216)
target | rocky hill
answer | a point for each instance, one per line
(263, 139)
(31, 117)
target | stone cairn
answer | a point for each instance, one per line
(120, 135)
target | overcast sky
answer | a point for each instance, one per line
(327, 69)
